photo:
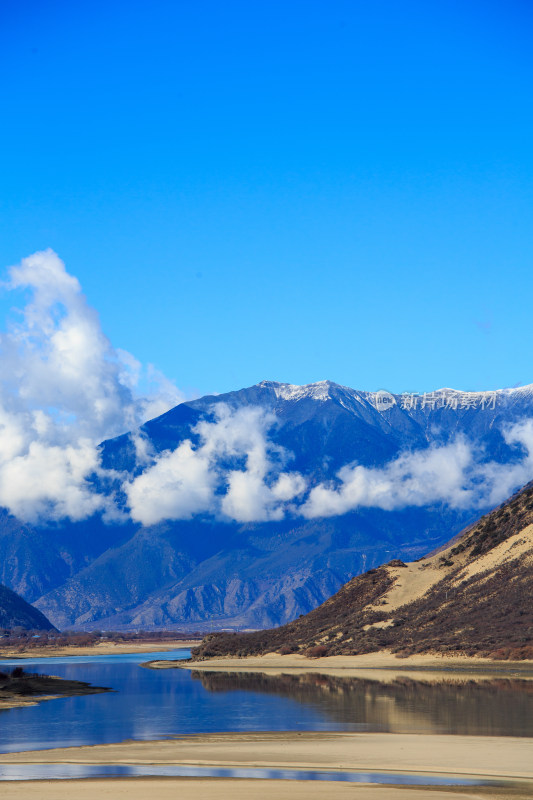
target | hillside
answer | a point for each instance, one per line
(210, 571)
(475, 596)
(17, 613)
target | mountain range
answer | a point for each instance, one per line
(210, 572)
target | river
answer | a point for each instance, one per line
(154, 704)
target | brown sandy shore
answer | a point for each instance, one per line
(494, 757)
(104, 649)
(242, 789)
(383, 666)
(507, 760)
(21, 702)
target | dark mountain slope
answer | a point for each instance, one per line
(476, 596)
(34, 560)
(17, 613)
(201, 575)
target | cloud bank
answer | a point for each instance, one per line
(64, 388)
(189, 481)
(454, 475)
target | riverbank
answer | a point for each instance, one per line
(383, 666)
(503, 759)
(102, 649)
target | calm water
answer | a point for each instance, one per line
(35, 772)
(153, 704)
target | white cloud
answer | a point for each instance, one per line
(501, 481)
(57, 358)
(193, 480)
(178, 485)
(63, 389)
(51, 482)
(453, 474)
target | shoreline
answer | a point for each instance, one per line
(469, 757)
(13, 702)
(382, 666)
(505, 760)
(103, 649)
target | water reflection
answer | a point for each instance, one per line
(29, 772)
(146, 704)
(490, 707)
(156, 704)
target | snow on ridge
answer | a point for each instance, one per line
(321, 391)
(512, 390)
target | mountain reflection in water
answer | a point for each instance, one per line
(489, 707)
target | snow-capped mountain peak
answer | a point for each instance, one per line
(320, 391)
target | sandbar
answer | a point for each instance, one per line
(385, 666)
(494, 757)
(242, 789)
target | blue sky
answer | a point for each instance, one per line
(282, 190)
